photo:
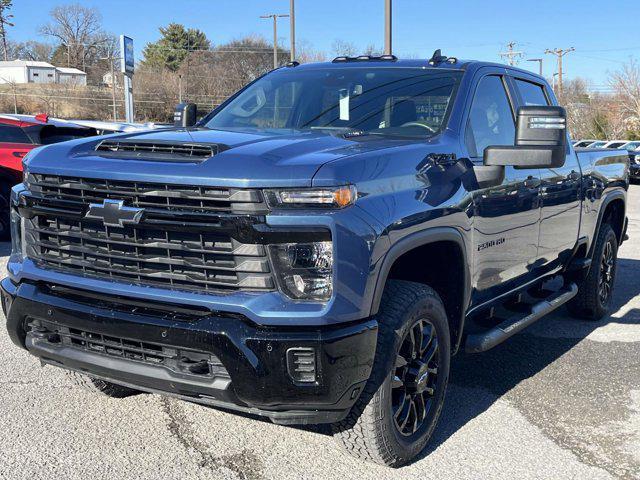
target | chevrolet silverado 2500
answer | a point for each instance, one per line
(318, 247)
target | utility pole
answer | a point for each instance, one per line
(5, 5)
(292, 26)
(274, 17)
(511, 54)
(560, 53)
(388, 30)
(539, 60)
(111, 59)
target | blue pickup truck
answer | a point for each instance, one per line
(317, 248)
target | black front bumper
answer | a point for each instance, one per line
(246, 368)
(634, 171)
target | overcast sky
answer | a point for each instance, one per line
(605, 34)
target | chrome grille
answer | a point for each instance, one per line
(189, 249)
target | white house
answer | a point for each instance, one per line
(26, 71)
(22, 71)
(71, 76)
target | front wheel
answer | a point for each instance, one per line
(396, 414)
(594, 294)
(98, 386)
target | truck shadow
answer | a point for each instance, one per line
(5, 249)
(478, 381)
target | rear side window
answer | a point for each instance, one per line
(532, 94)
(13, 134)
(491, 117)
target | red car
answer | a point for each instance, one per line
(18, 135)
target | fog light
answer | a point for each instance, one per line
(301, 364)
(304, 270)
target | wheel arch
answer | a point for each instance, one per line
(449, 246)
(612, 210)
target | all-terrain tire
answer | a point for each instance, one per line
(101, 387)
(589, 303)
(370, 431)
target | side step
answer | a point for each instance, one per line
(480, 342)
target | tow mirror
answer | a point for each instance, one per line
(541, 140)
(184, 115)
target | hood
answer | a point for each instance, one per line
(244, 159)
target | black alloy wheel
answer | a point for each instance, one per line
(413, 386)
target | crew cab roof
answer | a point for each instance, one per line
(450, 64)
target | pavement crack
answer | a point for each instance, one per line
(245, 464)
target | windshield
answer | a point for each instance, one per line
(392, 101)
(631, 146)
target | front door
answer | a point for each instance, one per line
(506, 217)
(559, 194)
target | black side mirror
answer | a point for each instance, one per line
(184, 115)
(541, 140)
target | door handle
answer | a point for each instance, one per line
(532, 182)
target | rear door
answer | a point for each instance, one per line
(505, 217)
(559, 192)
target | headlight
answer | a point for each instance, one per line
(304, 270)
(330, 197)
(16, 233)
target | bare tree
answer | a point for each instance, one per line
(5, 16)
(30, 50)
(342, 48)
(626, 85)
(79, 30)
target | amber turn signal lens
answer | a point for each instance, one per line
(344, 196)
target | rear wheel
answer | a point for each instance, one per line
(95, 385)
(396, 414)
(594, 295)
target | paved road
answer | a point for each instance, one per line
(561, 400)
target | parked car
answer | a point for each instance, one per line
(20, 134)
(583, 143)
(318, 247)
(634, 159)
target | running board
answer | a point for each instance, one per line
(481, 342)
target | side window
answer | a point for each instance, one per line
(532, 94)
(491, 117)
(12, 134)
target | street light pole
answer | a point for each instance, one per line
(275, 17)
(539, 60)
(292, 23)
(388, 11)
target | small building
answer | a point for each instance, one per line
(27, 71)
(70, 76)
(23, 71)
(108, 81)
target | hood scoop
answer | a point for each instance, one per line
(159, 151)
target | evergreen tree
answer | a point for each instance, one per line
(176, 43)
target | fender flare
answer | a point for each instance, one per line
(604, 202)
(420, 239)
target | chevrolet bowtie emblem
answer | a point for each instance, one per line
(113, 213)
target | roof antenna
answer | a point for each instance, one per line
(437, 57)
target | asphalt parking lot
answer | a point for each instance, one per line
(560, 400)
